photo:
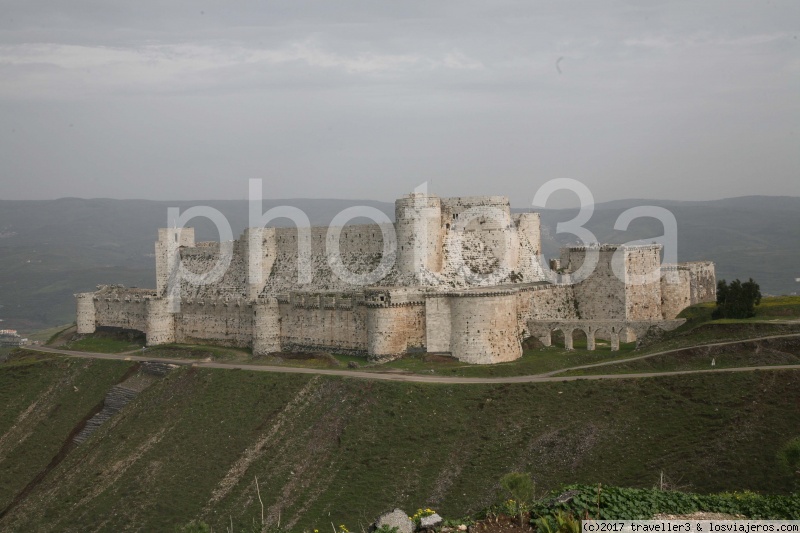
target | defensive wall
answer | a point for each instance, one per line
(465, 278)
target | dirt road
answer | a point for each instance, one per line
(418, 378)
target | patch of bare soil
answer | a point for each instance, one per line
(502, 524)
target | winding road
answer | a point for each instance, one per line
(549, 377)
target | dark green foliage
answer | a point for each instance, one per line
(617, 503)
(518, 486)
(790, 456)
(737, 299)
(560, 522)
(194, 527)
(520, 489)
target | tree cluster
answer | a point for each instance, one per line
(737, 299)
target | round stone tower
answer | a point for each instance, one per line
(418, 226)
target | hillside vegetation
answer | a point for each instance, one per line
(342, 450)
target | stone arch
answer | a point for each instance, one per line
(603, 337)
(580, 337)
(558, 336)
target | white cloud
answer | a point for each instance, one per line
(41, 68)
(457, 60)
(663, 42)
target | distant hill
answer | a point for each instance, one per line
(50, 250)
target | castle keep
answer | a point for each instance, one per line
(463, 279)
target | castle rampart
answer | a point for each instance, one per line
(465, 279)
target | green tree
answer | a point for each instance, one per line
(737, 299)
(520, 489)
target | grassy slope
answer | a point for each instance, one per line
(775, 316)
(39, 406)
(747, 354)
(343, 450)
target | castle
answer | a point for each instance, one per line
(465, 278)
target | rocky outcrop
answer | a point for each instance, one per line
(430, 521)
(394, 519)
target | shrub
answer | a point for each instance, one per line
(520, 488)
(737, 299)
(560, 522)
(195, 526)
(641, 504)
(789, 456)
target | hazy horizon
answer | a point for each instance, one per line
(682, 101)
(560, 200)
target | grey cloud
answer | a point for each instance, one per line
(346, 99)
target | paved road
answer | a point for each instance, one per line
(417, 378)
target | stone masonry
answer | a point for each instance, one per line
(465, 278)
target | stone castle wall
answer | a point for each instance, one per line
(551, 301)
(675, 290)
(602, 294)
(316, 324)
(427, 300)
(625, 284)
(119, 313)
(643, 282)
(226, 323)
(395, 330)
(702, 281)
(437, 324)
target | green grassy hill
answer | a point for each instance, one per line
(341, 450)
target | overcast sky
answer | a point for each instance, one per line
(337, 99)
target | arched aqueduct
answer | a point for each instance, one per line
(615, 330)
